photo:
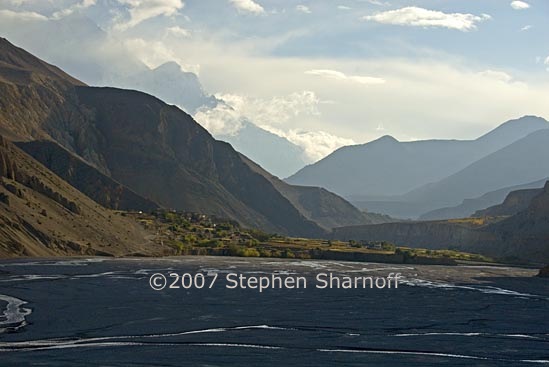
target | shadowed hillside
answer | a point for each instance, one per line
(41, 215)
(155, 150)
(88, 179)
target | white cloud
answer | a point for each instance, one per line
(84, 4)
(141, 10)
(275, 110)
(519, 5)
(420, 17)
(178, 31)
(248, 6)
(496, 75)
(275, 115)
(221, 120)
(316, 144)
(21, 15)
(226, 118)
(156, 53)
(378, 3)
(343, 7)
(303, 9)
(526, 28)
(338, 75)
(546, 62)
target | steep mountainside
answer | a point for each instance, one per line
(388, 167)
(469, 207)
(86, 178)
(156, 150)
(320, 205)
(272, 152)
(41, 215)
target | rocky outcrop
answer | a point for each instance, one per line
(544, 272)
(86, 178)
(522, 237)
(515, 202)
(41, 215)
(430, 235)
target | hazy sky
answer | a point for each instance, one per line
(327, 73)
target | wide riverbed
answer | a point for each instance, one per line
(103, 312)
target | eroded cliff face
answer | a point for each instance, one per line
(526, 234)
(514, 203)
(522, 237)
(431, 235)
(88, 179)
(41, 215)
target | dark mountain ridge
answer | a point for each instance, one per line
(154, 150)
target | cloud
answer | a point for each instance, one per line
(378, 3)
(343, 7)
(227, 117)
(178, 31)
(21, 15)
(546, 62)
(303, 9)
(141, 10)
(338, 75)
(75, 7)
(519, 5)
(275, 110)
(221, 120)
(526, 28)
(316, 144)
(419, 17)
(248, 6)
(156, 53)
(275, 115)
(496, 75)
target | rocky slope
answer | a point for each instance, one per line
(155, 150)
(273, 153)
(41, 215)
(75, 171)
(514, 203)
(318, 204)
(427, 234)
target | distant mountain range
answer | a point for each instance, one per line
(521, 233)
(470, 207)
(128, 150)
(408, 179)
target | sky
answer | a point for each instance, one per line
(324, 73)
